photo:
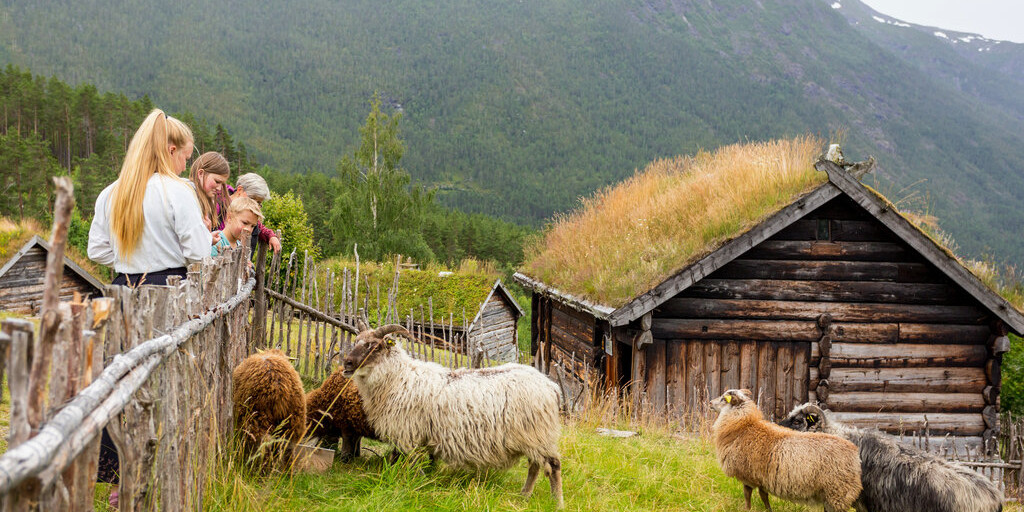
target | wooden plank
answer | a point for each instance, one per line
(639, 374)
(784, 380)
(905, 380)
(766, 368)
(713, 368)
(675, 377)
(801, 370)
(814, 250)
(826, 291)
(938, 423)
(748, 366)
(729, 251)
(731, 366)
(683, 307)
(946, 262)
(656, 371)
(711, 329)
(696, 382)
(860, 401)
(903, 355)
(828, 271)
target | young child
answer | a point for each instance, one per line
(243, 215)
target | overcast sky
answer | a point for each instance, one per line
(994, 19)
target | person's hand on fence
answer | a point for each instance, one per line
(275, 244)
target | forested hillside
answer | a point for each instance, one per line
(518, 108)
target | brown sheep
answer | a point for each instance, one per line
(269, 399)
(796, 466)
(335, 411)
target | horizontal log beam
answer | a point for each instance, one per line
(823, 291)
(827, 271)
(904, 380)
(681, 307)
(789, 330)
(938, 423)
(906, 402)
(814, 250)
(900, 355)
(840, 230)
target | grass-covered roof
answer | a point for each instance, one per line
(630, 237)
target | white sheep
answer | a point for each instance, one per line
(473, 418)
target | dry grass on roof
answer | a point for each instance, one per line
(628, 238)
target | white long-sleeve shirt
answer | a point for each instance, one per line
(173, 233)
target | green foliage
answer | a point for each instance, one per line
(286, 214)
(25, 169)
(1012, 393)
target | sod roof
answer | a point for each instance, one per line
(630, 237)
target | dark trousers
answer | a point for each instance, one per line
(155, 278)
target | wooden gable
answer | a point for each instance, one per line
(21, 279)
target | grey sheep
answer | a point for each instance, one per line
(896, 477)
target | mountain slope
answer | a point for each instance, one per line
(517, 108)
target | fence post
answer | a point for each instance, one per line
(20, 333)
(259, 317)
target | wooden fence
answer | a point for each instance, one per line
(151, 364)
(311, 314)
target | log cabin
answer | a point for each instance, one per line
(493, 332)
(834, 296)
(21, 279)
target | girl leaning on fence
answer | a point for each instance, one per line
(147, 225)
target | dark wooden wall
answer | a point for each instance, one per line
(21, 287)
(900, 341)
(495, 331)
(566, 336)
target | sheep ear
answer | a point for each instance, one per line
(728, 399)
(812, 419)
(389, 342)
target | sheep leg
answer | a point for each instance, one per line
(556, 480)
(764, 498)
(746, 494)
(349, 448)
(531, 478)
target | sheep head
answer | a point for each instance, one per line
(806, 418)
(733, 398)
(371, 347)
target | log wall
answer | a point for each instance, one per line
(836, 308)
(567, 337)
(21, 287)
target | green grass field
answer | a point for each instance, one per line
(657, 470)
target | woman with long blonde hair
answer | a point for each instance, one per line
(147, 225)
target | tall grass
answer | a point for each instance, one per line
(628, 238)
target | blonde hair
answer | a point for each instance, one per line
(245, 204)
(148, 154)
(211, 162)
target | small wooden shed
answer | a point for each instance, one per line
(21, 279)
(836, 297)
(494, 330)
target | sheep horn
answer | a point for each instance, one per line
(362, 325)
(384, 330)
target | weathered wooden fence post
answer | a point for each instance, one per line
(259, 316)
(20, 332)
